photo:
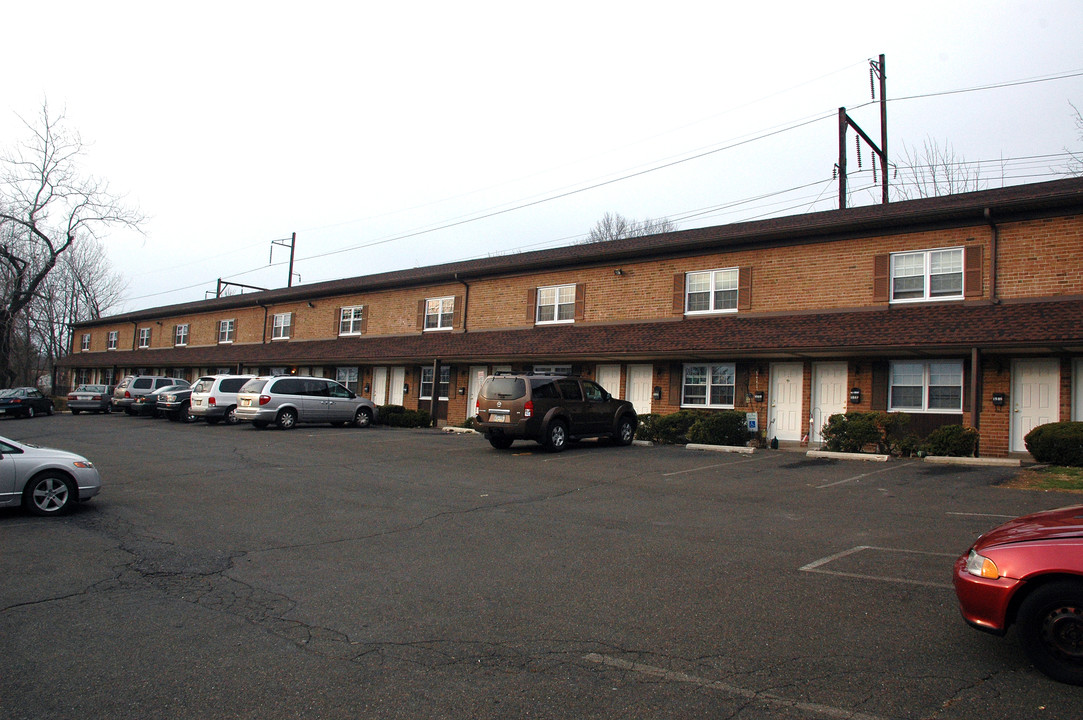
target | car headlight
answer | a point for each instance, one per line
(83, 464)
(981, 566)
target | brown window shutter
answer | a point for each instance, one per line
(881, 268)
(972, 277)
(364, 319)
(678, 294)
(744, 288)
(338, 323)
(421, 315)
(532, 305)
(676, 379)
(457, 316)
(580, 301)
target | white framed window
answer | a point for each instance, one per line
(180, 334)
(711, 291)
(281, 326)
(929, 386)
(709, 385)
(349, 320)
(927, 275)
(347, 376)
(556, 304)
(439, 313)
(82, 376)
(144, 337)
(426, 383)
(111, 340)
(226, 330)
(108, 376)
(552, 369)
(84, 342)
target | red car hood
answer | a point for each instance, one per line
(1066, 522)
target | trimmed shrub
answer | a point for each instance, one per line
(1058, 443)
(854, 431)
(951, 440)
(726, 427)
(645, 431)
(673, 429)
(398, 416)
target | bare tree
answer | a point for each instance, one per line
(934, 170)
(47, 205)
(614, 226)
(1075, 164)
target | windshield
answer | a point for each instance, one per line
(254, 385)
(504, 388)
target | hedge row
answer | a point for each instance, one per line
(883, 431)
(398, 416)
(725, 427)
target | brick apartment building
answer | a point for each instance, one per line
(959, 309)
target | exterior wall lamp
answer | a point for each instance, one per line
(657, 393)
(758, 396)
(405, 389)
(855, 396)
(999, 399)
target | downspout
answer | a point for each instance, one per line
(975, 387)
(135, 332)
(994, 259)
(264, 340)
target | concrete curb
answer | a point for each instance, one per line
(643, 443)
(459, 430)
(867, 457)
(987, 462)
(721, 448)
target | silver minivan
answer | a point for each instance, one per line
(286, 400)
(214, 397)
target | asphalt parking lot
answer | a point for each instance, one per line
(325, 572)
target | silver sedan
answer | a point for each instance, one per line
(45, 481)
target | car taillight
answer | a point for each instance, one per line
(72, 397)
(211, 401)
(16, 401)
(264, 399)
(127, 394)
(528, 409)
(97, 397)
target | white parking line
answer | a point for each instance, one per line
(710, 467)
(862, 475)
(816, 566)
(764, 697)
(988, 515)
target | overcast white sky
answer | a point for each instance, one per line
(378, 132)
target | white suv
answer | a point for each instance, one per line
(214, 397)
(286, 400)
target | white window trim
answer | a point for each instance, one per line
(84, 342)
(143, 338)
(927, 281)
(707, 404)
(357, 315)
(892, 407)
(711, 292)
(176, 332)
(281, 331)
(231, 333)
(556, 305)
(111, 340)
(443, 369)
(439, 316)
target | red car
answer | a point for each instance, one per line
(1029, 573)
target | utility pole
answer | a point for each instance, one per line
(879, 69)
(292, 246)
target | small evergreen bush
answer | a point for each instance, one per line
(726, 427)
(952, 441)
(645, 431)
(853, 431)
(1058, 443)
(673, 429)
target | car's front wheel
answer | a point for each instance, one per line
(1051, 630)
(556, 436)
(286, 419)
(49, 494)
(363, 418)
(626, 431)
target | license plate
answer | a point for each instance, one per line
(198, 402)
(498, 418)
(246, 402)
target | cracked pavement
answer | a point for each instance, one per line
(345, 573)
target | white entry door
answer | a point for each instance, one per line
(379, 385)
(398, 377)
(787, 392)
(829, 394)
(608, 376)
(640, 380)
(1035, 397)
(477, 377)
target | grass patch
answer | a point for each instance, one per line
(1053, 477)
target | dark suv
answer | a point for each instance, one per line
(550, 409)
